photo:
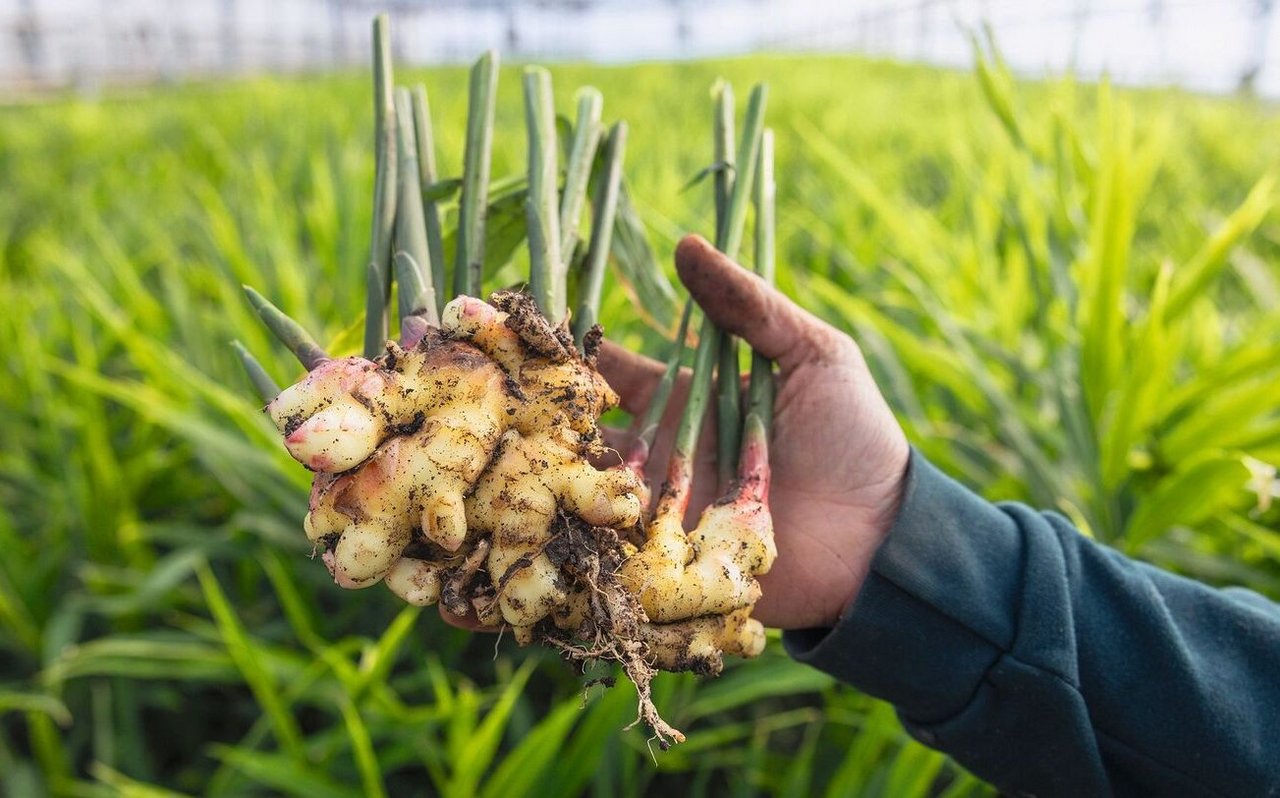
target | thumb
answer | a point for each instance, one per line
(745, 305)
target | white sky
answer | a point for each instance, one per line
(1202, 44)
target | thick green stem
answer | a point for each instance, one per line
(547, 273)
(728, 240)
(728, 410)
(729, 232)
(412, 258)
(266, 388)
(586, 139)
(605, 211)
(290, 332)
(753, 467)
(760, 392)
(647, 429)
(468, 266)
(675, 491)
(764, 198)
(427, 176)
(686, 444)
(384, 199)
(722, 126)
(728, 383)
(744, 174)
(754, 474)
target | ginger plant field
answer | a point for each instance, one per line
(1070, 294)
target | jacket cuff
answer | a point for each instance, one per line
(935, 612)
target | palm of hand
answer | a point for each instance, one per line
(837, 472)
(837, 458)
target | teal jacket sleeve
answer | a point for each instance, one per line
(1051, 665)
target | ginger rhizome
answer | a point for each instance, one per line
(457, 469)
(483, 427)
(457, 465)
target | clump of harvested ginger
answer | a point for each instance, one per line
(457, 469)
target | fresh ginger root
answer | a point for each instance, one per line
(698, 588)
(709, 571)
(457, 469)
(400, 445)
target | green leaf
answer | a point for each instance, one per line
(141, 658)
(283, 773)
(869, 747)
(244, 652)
(1194, 279)
(473, 755)
(125, 787)
(536, 760)
(1220, 417)
(377, 661)
(442, 190)
(751, 682)
(362, 747)
(913, 771)
(717, 168)
(1267, 539)
(1141, 388)
(597, 734)
(797, 780)
(17, 701)
(997, 85)
(15, 617)
(638, 269)
(1104, 270)
(1200, 489)
(505, 225)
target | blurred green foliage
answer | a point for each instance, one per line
(1070, 294)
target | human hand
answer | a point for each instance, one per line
(838, 455)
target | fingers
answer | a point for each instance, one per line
(742, 303)
(634, 377)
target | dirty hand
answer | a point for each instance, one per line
(838, 455)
